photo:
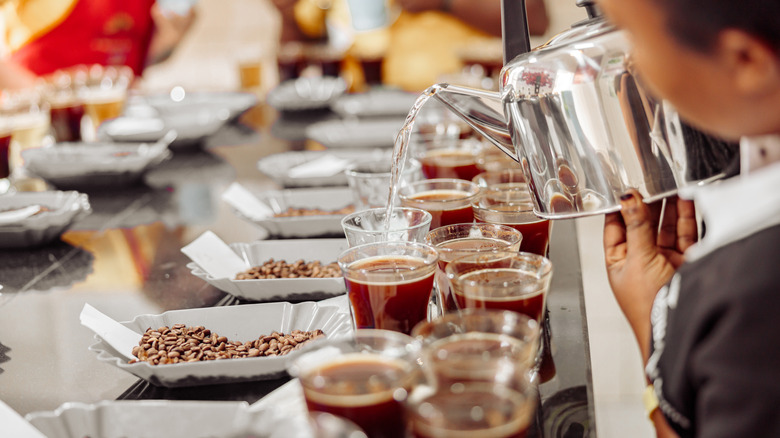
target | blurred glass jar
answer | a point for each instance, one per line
(26, 115)
(61, 91)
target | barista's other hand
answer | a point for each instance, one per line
(169, 29)
(420, 5)
(639, 259)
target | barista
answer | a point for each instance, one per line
(704, 313)
(42, 36)
(420, 45)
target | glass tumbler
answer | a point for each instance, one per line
(389, 284)
(364, 377)
(368, 226)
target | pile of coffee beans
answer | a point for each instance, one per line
(178, 344)
(298, 269)
(293, 212)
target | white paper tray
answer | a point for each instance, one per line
(65, 209)
(372, 133)
(237, 323)
(328, 199)
(80, 165)
(277, 166)
(293, 289)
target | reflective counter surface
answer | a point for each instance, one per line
(125, 260)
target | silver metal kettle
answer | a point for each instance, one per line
(575, 117)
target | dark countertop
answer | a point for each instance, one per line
(125, 260)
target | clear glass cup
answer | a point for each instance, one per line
(447, 200)
(513, 207)
(26, 114)
(479, 345)
(389, 284)
(472, 410)
(458, 240)
(364, 378)
(368, 226)
(104, 94)
(67, 108)
(447, 157)
(370, 181)
(492, 159)
(501, 280)
(5, 158)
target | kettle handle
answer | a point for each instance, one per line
(514, 29)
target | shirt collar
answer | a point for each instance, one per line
(738, 207)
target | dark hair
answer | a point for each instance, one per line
(697, 23)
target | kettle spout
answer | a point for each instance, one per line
(482, 110)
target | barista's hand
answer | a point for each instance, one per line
(640, 260)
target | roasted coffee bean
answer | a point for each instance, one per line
(292, 212)
(281, 269)
(179, 344)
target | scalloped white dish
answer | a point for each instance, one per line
(226, 105)
(375, 103)
(278, 166)
(79, 165)
(190, 128)
(305, 94)
(295, 227)
(63, 209)
(240, 323)
(256, 253)
(145, 418)
(356, 133)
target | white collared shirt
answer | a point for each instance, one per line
(736, 208)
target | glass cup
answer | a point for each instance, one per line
(501, 280)
(492, 159)
(458, 240)
(104, 95)
(447, 200)
(364, 378)
(472, 410)
(290, 61)
(389, 284)
(67, 108)
(5, 149)
(370, 181)
(448, 157)
(479, 345)
(513, 207)
(26, 114)
(368, 226)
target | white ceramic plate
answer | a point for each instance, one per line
(327, 199)
(277, 166)
(356, 133)
(78, 165)
(305, 94)
(239, 323)
(375, 103)
(226, 105)
(65, 208)
(294, 289)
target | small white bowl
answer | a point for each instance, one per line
(256, 253)
(238, 323)
(65, 208)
